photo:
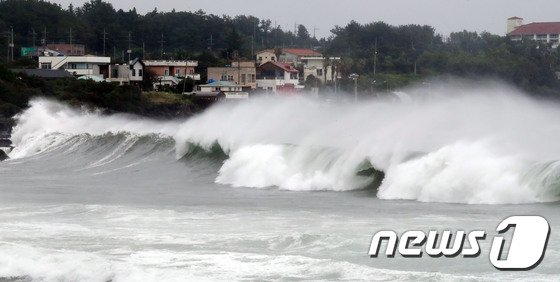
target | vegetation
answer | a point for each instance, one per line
(412, 53)
(17, 89)
(385, 56)
(184, 34)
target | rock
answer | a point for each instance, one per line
(3, 155)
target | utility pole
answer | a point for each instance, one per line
(314, 31)
(375, 58)
(44, 40)
(129, 50)
(71, 46)
(143, 49)
(211, 42)
(355, 77)
(253, 41)
(33, 34)
(104, 41)
(12, 41)
(161, 42)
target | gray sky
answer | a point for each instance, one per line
(445, 15)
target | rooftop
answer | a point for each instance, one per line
(537, 28)
(298, 52)
(284, 66)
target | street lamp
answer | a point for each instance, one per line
(372, 85)
(354, 77)
(429, 85)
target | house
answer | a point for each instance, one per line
(278, 77)
(230, 90)
(291, 55)
(240, 73)
(77, 65)
(320, 67)
(173, 68)
(545, 32)
(131, 73)
(308, 61)
(266, 56)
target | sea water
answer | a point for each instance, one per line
(275, 189)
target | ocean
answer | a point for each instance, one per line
(275, 188)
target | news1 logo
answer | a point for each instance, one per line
(526, 249)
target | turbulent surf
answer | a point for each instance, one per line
(481, 146)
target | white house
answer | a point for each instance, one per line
(278, 77)
(131, 73)
(319, 67)
(310, 61)
(77, 65)
(230, 90)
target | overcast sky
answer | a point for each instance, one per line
(445, 15)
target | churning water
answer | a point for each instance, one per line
(270, 188)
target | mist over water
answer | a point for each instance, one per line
(486, 145)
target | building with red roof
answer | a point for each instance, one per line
(546, 32)
(278, 77)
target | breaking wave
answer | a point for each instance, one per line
(482, 146)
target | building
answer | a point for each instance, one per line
(77, 65)
(240, 73)
(131, 73)
(230, 90)
(278, 77)
(545, 32)
(173, 68)
(308, 61)
(287, 55)
(320, 67)
(68, 49)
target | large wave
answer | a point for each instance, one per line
(487, 145)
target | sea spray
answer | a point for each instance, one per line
(466, 146)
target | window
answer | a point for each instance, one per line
(253, 78)
(166, 72)
(230, 78)
(177, 72)
(46, 66)
(243, 78)
(73, 66)
(133, 71)
(541, 37)
(319, 72)
(293, 76)
(224, 77)
(140, 72)
(260, 58)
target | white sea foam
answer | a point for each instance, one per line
(484, 145)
